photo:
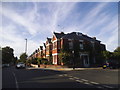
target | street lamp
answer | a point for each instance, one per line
(93, 44)
(26, 46)
(73, 60)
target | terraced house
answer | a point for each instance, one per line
(72, 48)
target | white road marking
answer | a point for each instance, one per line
(94, 82)
(76, 77)
(84, 79)
(79, 81)
(65, 75)
(15, 80)
(86, 83)
(71, 78)
(60, 75)
(107, 86)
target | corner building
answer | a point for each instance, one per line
(87, 50)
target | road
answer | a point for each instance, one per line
(41, 78)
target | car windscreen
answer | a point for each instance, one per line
(20, 63)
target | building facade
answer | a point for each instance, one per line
(85, 50)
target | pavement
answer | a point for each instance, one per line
(64, 69)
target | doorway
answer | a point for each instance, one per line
(85, 60)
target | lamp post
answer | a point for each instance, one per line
(26, 46)
(93, 43)
(73, 60)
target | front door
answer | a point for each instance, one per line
(86, 61)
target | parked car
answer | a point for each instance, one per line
(5, 65)
(20, 65)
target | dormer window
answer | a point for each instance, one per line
(79, 34)
(70, 45)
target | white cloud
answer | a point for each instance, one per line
(61, 1)
(10, 38)
(109, 34)
(20, 20)
(31, 20)
(91, 16)
(59, 13)
(112, 42)
(16, 41)
(41, 25)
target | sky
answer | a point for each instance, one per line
(38, 20)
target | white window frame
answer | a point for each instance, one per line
(81, 45)
(71, 45)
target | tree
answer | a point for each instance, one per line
(116, 54)
(34, 61)
(106, 55)
(50, 59)
(23, 57)
(64, 57)
(117, 49)
(15, 60)
(7, 54)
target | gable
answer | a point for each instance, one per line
(54, 38)
(46, 42)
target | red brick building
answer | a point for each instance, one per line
(86, 50)
(48, 48)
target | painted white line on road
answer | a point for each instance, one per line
(72, 78)
(86, 83)
(76, 77)
(79, 81)
(65, 75)
(15, 80)
(94, 82)
(107, 86)
(84, 79)
(60, 75)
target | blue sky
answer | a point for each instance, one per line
(38, 20)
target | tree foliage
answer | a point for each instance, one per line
(7, 54)
(106, 55)
(23, 57)
(116, 54)
(117, 50)
(64, 57)
(34, 61)
(112, 55)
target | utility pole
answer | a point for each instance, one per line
(26, 46)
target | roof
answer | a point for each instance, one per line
(78, 36)
(41, 47)
(59, 35)
(49, 40)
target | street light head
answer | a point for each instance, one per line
(73, 51)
